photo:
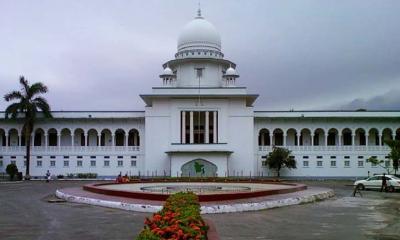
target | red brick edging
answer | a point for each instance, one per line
(95, 188)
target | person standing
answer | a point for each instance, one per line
(384, 183)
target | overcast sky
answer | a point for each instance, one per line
(301, 55)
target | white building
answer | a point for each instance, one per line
(198, 122)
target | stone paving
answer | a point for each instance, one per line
(26, 214)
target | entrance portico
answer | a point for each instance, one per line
(183, 159)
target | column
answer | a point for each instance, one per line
(284, 139)
(46, 140)
(366, 139)
(191, 128)
(32, 139)
(312, 139)
(207, 135)
(72, 140)
(215, 127)
(98, 140)
(183, 127)
(298, 139)
(326, 139)
(271, 137)
(86, 143)
(380, 139)
(112, 140)
(340, 140)
(126, 139)
(6, 140)
(353, 138)
(58, 140)
(20, 140)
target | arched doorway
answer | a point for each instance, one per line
(199, 168)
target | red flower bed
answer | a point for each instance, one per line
(179, 219)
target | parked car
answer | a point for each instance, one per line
(375, 182)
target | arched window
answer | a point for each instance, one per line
(263, 138)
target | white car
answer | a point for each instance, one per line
(375, 182)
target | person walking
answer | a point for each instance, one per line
(384, 183)
(48, 176)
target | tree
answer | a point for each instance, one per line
(27, 106)
(394, 154)
(280, 158)
(374, 160)
(11, 170)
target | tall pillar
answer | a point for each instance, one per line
(326, 139)
(58, 140)
(380, 139)
(7, 143)
(191, 129)
(46, 140)
(271, 137)
(284, 139)
(86, 143)
(312, 139)
(353, 139)
(183, 130)
(98, 139)
(339, 139)
(112, 140)
(215, 129)
(207, 135)
(298, 139)
(20, 140)
(72, 140)
(126, 139)
(366, 139)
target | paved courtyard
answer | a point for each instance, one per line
(26, 214)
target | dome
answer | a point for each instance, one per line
(199, 34)
(230, 71)
(168, 71)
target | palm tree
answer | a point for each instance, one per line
(280, 158)
(27, 107)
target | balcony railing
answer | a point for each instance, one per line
(70, 149)
(327, 148)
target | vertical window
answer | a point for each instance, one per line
(199, 127)
(333, 163)
(13, 162)
(133, 163)
(120, 163)
(1, 163)
(66, 163)
(305, 163)
(319, 163)
(360, 163)
(52, 163)
(199, 72)
(362, 138)
(79, 163)
(106, 163)
(347, 163)
(93, 163)
(39, 163)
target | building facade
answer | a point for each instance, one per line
(200, 123)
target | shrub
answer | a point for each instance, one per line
(60, 176)
(86, 175)
(11, 170)
(179, 219)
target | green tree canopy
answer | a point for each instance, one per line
(280, 158)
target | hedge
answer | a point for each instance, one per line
(179, 219)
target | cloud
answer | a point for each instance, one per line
(388, 101)
(100, 55)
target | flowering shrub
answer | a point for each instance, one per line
(179, 219)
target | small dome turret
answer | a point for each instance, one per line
(230, 77)
(168, 77)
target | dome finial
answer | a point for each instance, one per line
(199, 12)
